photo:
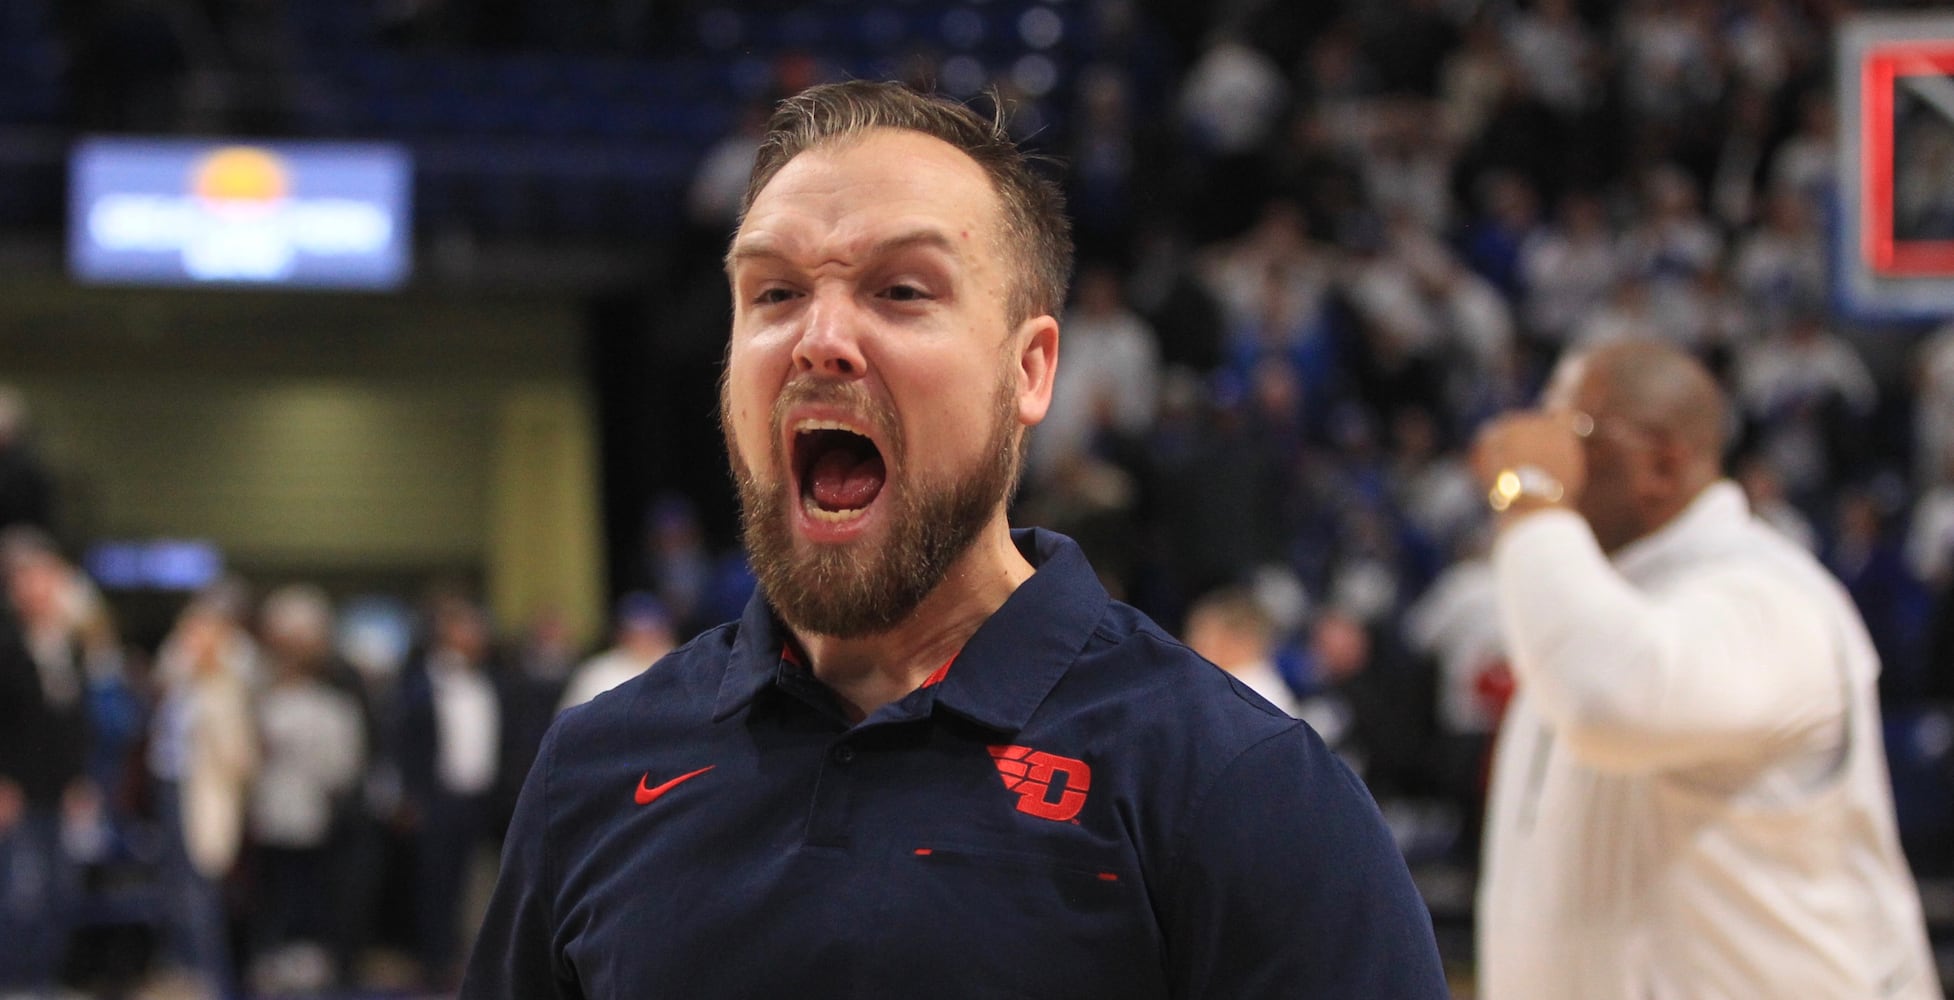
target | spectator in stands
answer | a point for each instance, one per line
(26, 489)
(1667, 70)
(313, 754)
(1472, 78)
(712, 200)
(1866, 557)
(1366, 701)
(1430, 486)
(1505, 220)
(1691, 795)
(1809, 395)
(1628, 314)
(1764, 489)
(545, 654)
(1930, 535)
(1806, 164)
(641, 633)
(1671, 242)
(448, 743)
(1933, 407)
(1555, 53)
(1104, 182)
(1231, 630)
(1276, 253)
(1737, 168)
(44, 788)
(1780, 267)
(1454, 625)
(678, 564)
(1230, 102)
(1569, 269)
(1109, 385)
(203, 753)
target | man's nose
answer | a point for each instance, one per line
(829, 343)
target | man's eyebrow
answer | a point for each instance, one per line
(918, 238)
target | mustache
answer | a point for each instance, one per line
(851, 396)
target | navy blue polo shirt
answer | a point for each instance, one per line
(1079, 807)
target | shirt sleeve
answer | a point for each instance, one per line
(1288, 885)
(1713, 667)
(516, 955)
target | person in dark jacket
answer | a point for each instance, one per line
(43, 757)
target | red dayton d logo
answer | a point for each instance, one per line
(1034, 775)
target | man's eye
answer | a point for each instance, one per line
(772, 296)
(905, 293)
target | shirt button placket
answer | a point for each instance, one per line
(828, 822)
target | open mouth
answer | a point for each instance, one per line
(841, 471)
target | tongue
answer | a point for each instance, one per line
(842, 480)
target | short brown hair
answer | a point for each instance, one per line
(1036, 230)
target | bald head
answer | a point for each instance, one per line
(1660, 426)
(1659, 387)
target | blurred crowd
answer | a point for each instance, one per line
(279, 798)
(1319, 245)
(1311, 270)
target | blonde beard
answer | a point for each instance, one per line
(867, 588)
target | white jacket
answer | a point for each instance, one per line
(1690, 798)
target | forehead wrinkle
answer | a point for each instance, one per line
(927, 237)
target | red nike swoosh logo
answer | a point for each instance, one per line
(646, 796)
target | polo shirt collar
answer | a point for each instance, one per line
(1003, 672)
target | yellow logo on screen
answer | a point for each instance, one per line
(241, 177)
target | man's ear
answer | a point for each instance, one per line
(1036, 367)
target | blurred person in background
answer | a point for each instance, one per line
(1808, 398)
(1933, 413)
(641, 633)
(449, 744)
(1866, 555)
(26, 489)
(375, 636)
(1764, 491)
(44, 789)
(678, 566)
(1230, 629)
(530, 687)
(203, 754)
(1568, 269)
(1359, 690)
(313, 753)
(1455, 625)
(1691, 796)
(1109, 386)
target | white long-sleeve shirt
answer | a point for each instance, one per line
(1690, 798)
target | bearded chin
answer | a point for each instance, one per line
(870, 586)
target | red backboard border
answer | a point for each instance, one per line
(1881, 71)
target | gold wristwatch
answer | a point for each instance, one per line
(1523, 481)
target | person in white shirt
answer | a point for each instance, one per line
(1231, 630)
(1690, 797)
(312, 754)
(642, 634)
(1112, 378)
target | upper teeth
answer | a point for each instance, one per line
(804, 426)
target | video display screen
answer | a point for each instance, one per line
(248, 214)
